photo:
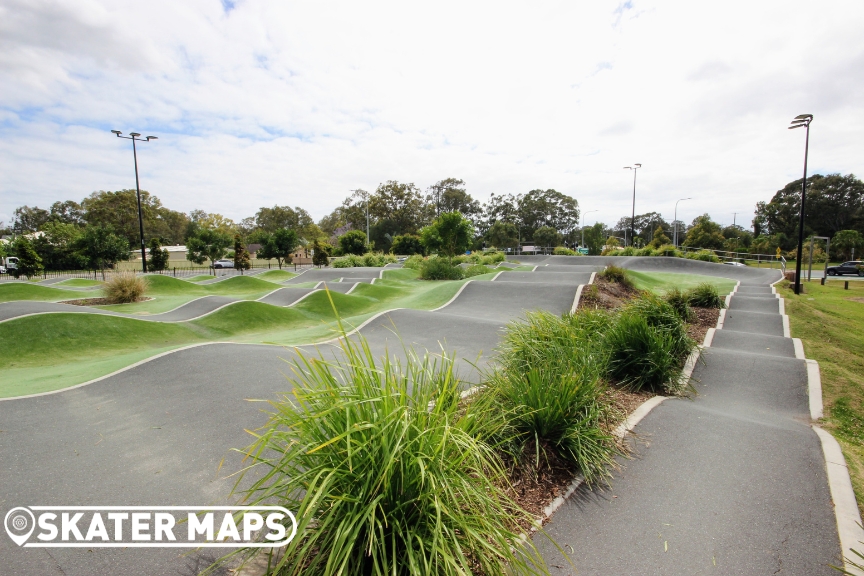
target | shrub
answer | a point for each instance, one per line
(705, 295)
(647, 345)
(413, 262)
(124, 287)
(628, 251)
(406, 245)
(493, 257)
(703, 255)
(680, 302)
(647, 251)
(558, 411)
(667, 250)
(562, 251)
(476, 270)
(617, 275)
(368, 260)
(440, 269)
(376, 460)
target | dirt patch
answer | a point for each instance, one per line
(856, 299)
(96, 301)
(605, 295)
(705, 318)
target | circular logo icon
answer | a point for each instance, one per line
(19, 524)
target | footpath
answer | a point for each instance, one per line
(730, 481)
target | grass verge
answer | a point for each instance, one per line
(659, 282)
(829, 321)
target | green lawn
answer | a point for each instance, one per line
(662, 281)
(10, 291)
(79, 283)
(200, 278)
(276, 275)
(829, 321)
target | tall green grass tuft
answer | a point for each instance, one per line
(680, 302)
(377, 461)
(124, 288)
(476, 270)
(617, 275)
(705, 296)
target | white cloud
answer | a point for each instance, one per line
(296, 103)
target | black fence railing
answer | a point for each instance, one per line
(175, 271)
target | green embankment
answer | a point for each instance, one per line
(10, 291)
(660, 282)
(79, 283)
(276, 275)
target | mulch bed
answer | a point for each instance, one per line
(607, 295)
(96, 301)
(705, 318)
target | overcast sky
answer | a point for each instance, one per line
(260, 103)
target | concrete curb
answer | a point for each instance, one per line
(458, 292)
(814, 388)
(786, 332)
(721, 319)
(496, 276)
(799, 348)
(576, 299)
(843, 496)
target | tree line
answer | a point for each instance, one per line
(103, 228)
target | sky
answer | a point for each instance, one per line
(261, 103)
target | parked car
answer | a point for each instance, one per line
(735, 264)
(851, 267)
(2, 269)
(10, 263)
(224, 263)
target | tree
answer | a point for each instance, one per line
(68, 212)
(100, 247)
(353, 242)
(400, 203)
(56, 246)
(546, 236)
(659, 238)
(503, 235)
(279, 245)
(321, 253)
(29, 262)
(704, 233)
(595, 238)
(450, 234)
(26, 219)
(279, 217)
(157, 260)
(644, 226)
(406, 245)
(241, 255)
(207, 244)
(540, 208)
(846, 242)
(449, 195)
(120, 211)
(834, 203)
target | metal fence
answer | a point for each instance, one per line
(175, 271)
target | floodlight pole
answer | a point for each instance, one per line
(134, 136)
(675, 221)
(633, 212)
(802, 120)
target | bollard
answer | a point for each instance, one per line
(823, 281)
(846, 285)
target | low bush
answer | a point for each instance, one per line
(705, 295)
(628, 251)
(563, 251)
(667, 250)
(440, 269)
(493, 257)
(703, 255)
(680, 302)
(647, 251)
(124, 287)
(476, 270)
(617, 275)
(661, 315)
(376, 460)
(368, 260)
(413, 262)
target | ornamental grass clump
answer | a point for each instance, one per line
(617, 275)
(647, 345)
(124, 288)
(375, 459)
(680, 302)
(705, 295)
(440, 269)
(476, 270)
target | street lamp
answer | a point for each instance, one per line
(134, 136)
(675, 221)
(582, 244)
(798, 122)
(633, 213)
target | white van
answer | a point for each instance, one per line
(8, 264)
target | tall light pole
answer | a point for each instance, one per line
(675, 221)
(633, 212)
(134, 136)
(798, 122)
(582, 243)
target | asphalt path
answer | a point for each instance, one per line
(157, 433)
(334, 274)
(731, 481)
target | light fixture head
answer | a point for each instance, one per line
(152, 137)
(117, 132)
(804, 117)
(638, 165)
(134, 134)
